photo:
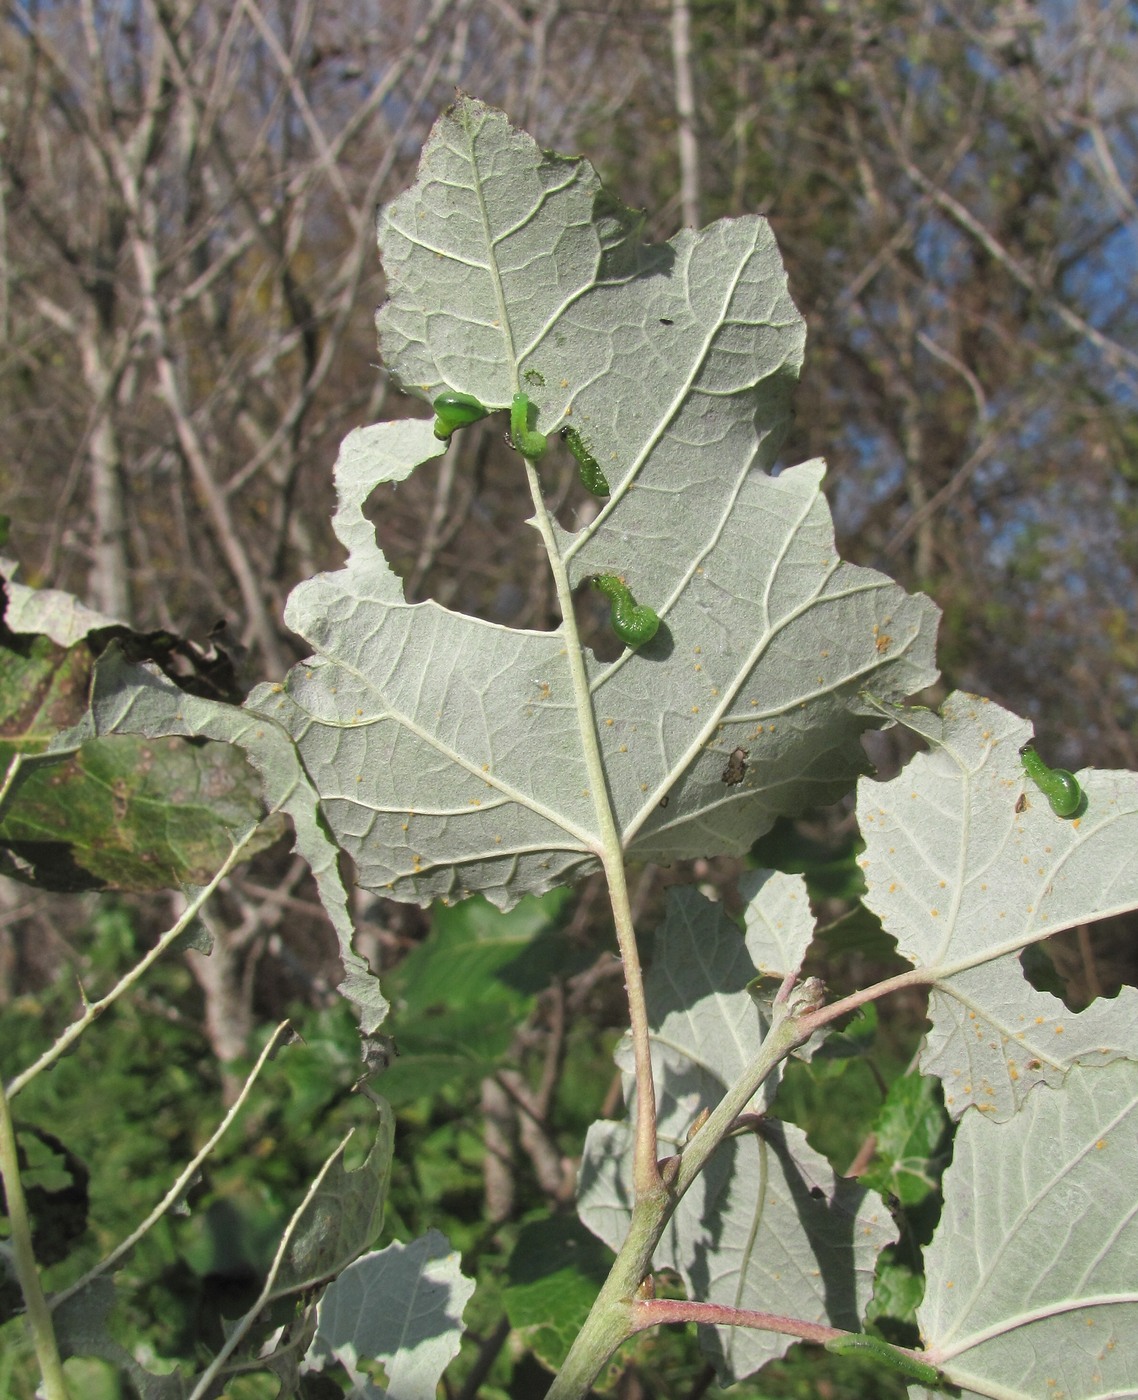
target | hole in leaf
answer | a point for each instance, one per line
(455, 531)
(592, 612)
(1085, 963)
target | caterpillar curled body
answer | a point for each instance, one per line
(592, 478)
(1061, 788)
(454, 410)
(528, 442)
(632, 622)
(854, 1342)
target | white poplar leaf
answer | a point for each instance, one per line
(450, 753)
(966, 864)
(401, 1306)
(1032, 1287)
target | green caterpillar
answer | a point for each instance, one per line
(854, 1342)
(453, 410)
(1060, 788)
(592, 478)
(529, 443)
(633, 623)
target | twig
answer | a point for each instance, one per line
(243, 1324)
(1114, 353)
(959, 479)
(176, 1191)
(24, 1260)
(14, 766)
(654, 1312)
(95, 1009)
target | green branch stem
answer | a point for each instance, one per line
(268, 1292)
(646, 1173)
(614, 1317)
(821, 1016)
(618, 1313)
(24, 1261)
(178, 1189)
(94, 1009)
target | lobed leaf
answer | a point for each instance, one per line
(451, 754)
(1031, 1285)
(402, 1306)
(964, 874)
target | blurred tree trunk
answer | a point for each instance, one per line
(686, 114)
(952, 187)
(189, 250)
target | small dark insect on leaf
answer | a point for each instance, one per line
(665, 321)
(1021, 803)
(665, 800)
(379, 1053)
(736, 768)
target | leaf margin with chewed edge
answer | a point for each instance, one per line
(442, 746)
(1030, 1279)
(372, 1309)
(139, 699)
(446, 749)
(966, 864)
